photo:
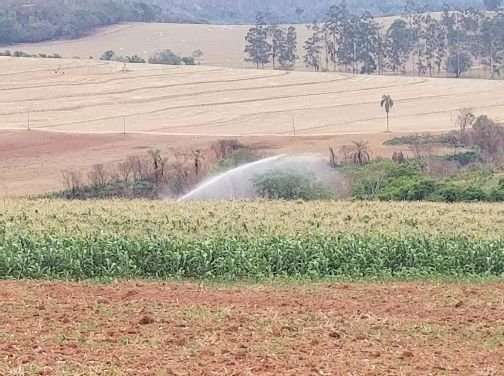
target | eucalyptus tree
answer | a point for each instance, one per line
(258, 49)
(313, 48)
(288, 54)
(397, 45)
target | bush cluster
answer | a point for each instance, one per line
(387, 181)
(26, 54)
(290, 185)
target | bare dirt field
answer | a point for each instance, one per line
(77, 111)
(32, 162)
(184, 329)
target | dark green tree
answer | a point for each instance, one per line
(337, 30)
(458, 63)
(258, 49)
(288, 55)
(397, 45)
(366, 39)
(313, 49)
(278, 42)
(492, 43)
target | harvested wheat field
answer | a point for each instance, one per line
(103, 97)
(184, 329)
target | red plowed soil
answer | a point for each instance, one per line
(32, 162)
(185, 329)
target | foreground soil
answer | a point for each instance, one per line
(138, 328)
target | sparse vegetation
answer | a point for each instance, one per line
(149, 176)
(154, 175)
(168, 57)
(8, 53)
(111, 56)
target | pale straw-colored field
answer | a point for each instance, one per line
(96, 96)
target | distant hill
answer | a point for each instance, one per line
(243, 11)
(38, 20)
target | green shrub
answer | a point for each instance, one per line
(290, 185)
(422, 139)
(450, 192)
(465, 158)
(188, 60)
(167, 57)
(408, 189)
(496, 195)
(473, 193)
(387, 180)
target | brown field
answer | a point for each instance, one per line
(222, 44)
(98, 97)
(183, 329)
(77, 111)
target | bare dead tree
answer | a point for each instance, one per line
(465, 120)
(125, 170)
(398, 157)
(346, 151)
(360, 154)
(332, 158)
(98, 176)
(222, 148)
(72, 181)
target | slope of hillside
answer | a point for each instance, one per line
(90, 96)
(222, 45)
(77, 111)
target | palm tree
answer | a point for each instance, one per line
(387, 102)
(360, 155)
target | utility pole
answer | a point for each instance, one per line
(354, 57)
(28, 120)
(124, 125)
(458, 41)
(293, 125)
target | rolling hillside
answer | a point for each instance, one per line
(99, 97)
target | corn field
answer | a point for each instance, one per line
(257, 240)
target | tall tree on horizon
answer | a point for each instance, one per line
(313, 49)
(258, 49)
(278, 40)
(397, 45)
(336, 27)
(366, 43)
(288, 54)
